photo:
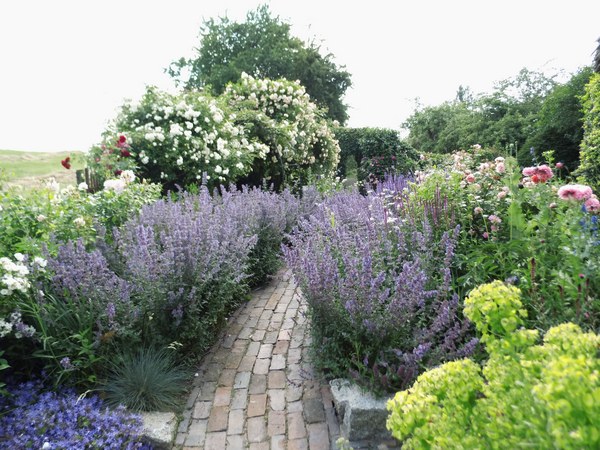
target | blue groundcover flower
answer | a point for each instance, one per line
(33, 419)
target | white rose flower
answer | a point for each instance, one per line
(82, 186)
(218, 169)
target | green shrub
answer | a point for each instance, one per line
(590, 146)
(525, 395)
(145, 380)
(51, 215)
(377, 151)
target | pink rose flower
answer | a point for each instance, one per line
(500, 168)
(470, 178)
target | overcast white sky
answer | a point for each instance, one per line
(66, 65)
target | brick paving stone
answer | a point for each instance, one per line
(246, 333)
(253, 348)
(276, 399)
(265, 351)
(202, 410)
(239, 399)
(296, 428)
(257, 404)
(259, 446)
(247, 363)
(276, 379)
(215, 441)
(284, 335)
(271, 337)
(222, 396)
(242, 380)
(196, 433)
(217, 421)
(233, 360)
(235, 442)
(258, 384)
(298, 444)
(257, 430)
(278, 442)
(258, 335)
(227, 377)
(294, 355)
(318, 436)
(276, 423)
(293, 393)
(236, 421)
(295, 406)
(261, 367)
(277, 362)
(207, 391)
(281, 347)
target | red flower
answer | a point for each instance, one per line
(122, 139)
(118, 172)
(66, 163)
(125, 153)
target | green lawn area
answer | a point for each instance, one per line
(28, 168)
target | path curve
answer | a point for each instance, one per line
(256, 388)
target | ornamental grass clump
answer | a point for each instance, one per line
(525, 395)
(379, 289)
(146, 379)
(31, 418)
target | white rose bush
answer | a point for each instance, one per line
(281, 114)
(185, 139)
(257, 131)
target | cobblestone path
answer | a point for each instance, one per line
(256, 389)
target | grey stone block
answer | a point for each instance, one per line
(159, 429)
(362, 416)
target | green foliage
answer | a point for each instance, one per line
(516, 229)
(376, 151)
(263, 47)
(525, 395)
(67, 346)
(50, 215)
(559, 122)
(503, 118)
(590, 146)
(145, 380)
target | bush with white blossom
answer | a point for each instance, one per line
(181, 138)
(280, 114)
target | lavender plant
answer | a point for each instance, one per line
(379, 287)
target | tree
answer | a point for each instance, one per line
(263, 47)
(597, 58)
(559, 123)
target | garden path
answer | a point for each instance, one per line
(256, 389)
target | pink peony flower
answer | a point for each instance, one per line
(500, 168)
(485, 235)
(501, 195)
(494, 219)
(559, 165)
(478, 210)
(592, 204)
(470, 178)
(528, 171)
(577, 192)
